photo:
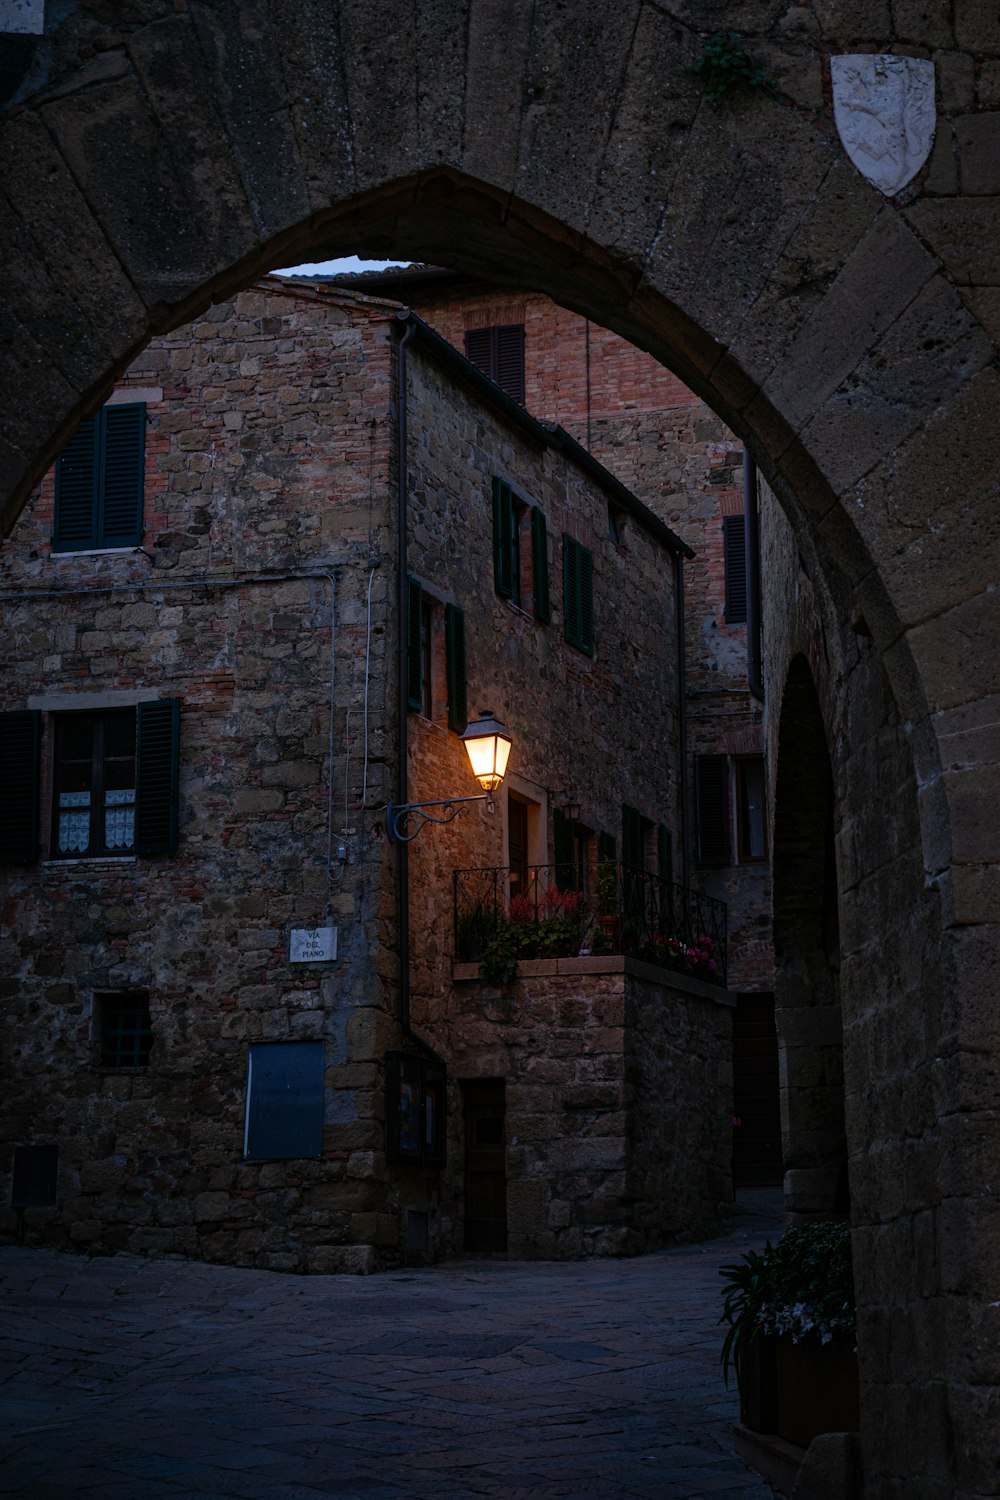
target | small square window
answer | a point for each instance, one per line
(124, 1033)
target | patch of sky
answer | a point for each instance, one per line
(336, 267)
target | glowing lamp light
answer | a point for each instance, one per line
(488, 744)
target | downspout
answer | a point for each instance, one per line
(751, 523)
(682, 712)
(402, 703)
(404, 320)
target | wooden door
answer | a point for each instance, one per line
(757, 1138)
(517, 845)
(485, 1166)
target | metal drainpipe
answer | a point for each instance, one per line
(682, 712)
(402, 851)
(751, 523)
(402, 780)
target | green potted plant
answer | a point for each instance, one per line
(791, 1335)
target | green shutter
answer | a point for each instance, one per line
(20, 739)
(562, 840)
(578, 594)
(157, 757)
(571, 591)
(414, 644)
(78, 489)
(540, 566)
(99, 481)
(454, 645)
(120, 521)
(503, 538)
(585, 566)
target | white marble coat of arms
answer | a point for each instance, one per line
(884, 110)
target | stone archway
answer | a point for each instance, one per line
(807, 957)
(161, 155)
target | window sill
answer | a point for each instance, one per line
(101, 552)
(89, 859)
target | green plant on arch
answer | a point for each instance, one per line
(725, 67)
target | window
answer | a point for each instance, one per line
(426, 675)
(751, 820)
(512, 519)
(99, 481)
(115, 781)
(735, 560)
(573, 843)
(415, 1103)
(94, 785)
(499, 353)
(284, 1102)
(578, 594)
(712, 790)
(123, 1032)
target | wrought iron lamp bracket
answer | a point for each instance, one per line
(398, 814)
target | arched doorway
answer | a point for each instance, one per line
(807, 959)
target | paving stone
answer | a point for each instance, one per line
(222, 1382)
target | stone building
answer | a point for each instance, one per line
(672, 451)
(846, 330)
(243, 1023)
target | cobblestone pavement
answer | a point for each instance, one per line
(132, 1379)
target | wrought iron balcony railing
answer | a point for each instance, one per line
(503, 915)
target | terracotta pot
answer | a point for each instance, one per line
(758, 1382)
(817, 1390)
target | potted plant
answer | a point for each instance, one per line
(606, 902)
(791, 1335)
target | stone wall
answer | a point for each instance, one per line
(582, 725)
(266, 457)
(677, 456)
(619, 1092)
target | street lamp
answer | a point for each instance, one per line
(488, 744)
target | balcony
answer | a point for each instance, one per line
(503, 916)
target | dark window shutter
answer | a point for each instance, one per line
(571, 591)
(77, 489)
(124, 457)
(540, 566)
(735, 557)
(20, 739)
(503, 538)
(664, 853)
(414, 642)
(578, 594)
(479, 348)
(157, 758)
(499, 353)
(712, 782)
(585, 564)
(454, 644)
(562, 842)
(510, 360)
(633, 853)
